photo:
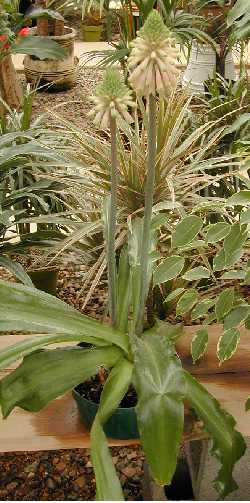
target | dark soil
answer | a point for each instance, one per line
(92, 390)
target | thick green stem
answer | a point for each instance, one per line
(149, 197)
(112, 279)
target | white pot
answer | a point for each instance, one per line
(202, 66)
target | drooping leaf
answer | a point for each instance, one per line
(196, 273)
(116, 386)
(199, 344)
(169, 269)
(227, 344)
(186, 231)
(24, 308)
(41, 47)
(160, 389)
(17, 351)
(224, 303)
(241, 198)
(218, 231)
(187, 302)
(228, 444)
(47, 374)
(17, 270)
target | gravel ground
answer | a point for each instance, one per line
(73, 104)
(64, 475)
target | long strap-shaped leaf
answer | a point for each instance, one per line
(24, 308)
(107, 482)
(47, 374)
(229, 445)
(29, 344)
(160, 387)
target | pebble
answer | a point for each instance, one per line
(80, 482)
(50, 484)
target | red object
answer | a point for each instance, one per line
(3, 38)
(23, 32)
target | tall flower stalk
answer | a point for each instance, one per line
(111, 102)
(152, 60)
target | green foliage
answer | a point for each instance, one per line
(199, 344)
(228, 446)
(160, 388)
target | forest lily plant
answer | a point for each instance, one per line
(132, 352)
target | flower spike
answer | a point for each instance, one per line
(153, 58)
(112, 99)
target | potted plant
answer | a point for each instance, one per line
(17, 39)
(206, 60)
(92, 24)
(50, 26)
(133, 352)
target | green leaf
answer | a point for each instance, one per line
(186, 302)
(186, 231)
(39, 12)
(46, 374)
(24, 308)
(199, 344)
(247, 405)
(202, 308)
(228, 444)
(237, 316)
(219, 261)
(17, 270)
(233, 244)
(173, 295)
(218, 231)
(224, 303)
(160, 388)
(169, 269)
(116, 386)
(41, 47)
(245, 217)
(196, 273)
(241, 198)
(227, 344)
(167, 330)
(233, 275)
(16, 351)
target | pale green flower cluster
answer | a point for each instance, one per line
(112, 99)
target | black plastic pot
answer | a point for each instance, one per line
(121, 425)
(45, 280)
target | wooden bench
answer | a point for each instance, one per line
(58, 426)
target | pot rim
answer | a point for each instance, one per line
(66, 36)
(117, 411)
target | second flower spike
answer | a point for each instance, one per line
(112, 99)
